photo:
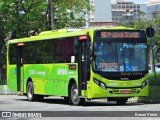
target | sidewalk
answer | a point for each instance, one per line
(5, 91)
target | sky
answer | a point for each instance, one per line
(135, 1)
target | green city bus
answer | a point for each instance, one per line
(80, 64)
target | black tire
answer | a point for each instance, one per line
(74, 97)
(121, 101)
(30, 91)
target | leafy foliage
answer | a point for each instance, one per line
(71, 13)
(23, 18)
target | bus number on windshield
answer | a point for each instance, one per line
(119, 34)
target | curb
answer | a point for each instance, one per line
(151, 101)
(133, 100)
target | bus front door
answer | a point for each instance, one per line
(20, 82)
(82, 67)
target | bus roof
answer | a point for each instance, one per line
(61, 33)
(114, 28)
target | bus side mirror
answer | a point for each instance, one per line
(90, 49)
(94, 57)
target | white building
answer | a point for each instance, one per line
(102, 11)
(124, 10)
(152, 7)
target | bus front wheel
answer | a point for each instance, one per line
(121, 101)
(74, 97)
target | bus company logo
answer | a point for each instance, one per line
(6, 114)
(124, 78)
(62, 72)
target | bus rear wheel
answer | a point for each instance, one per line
(121, 101)
(74, 97)
(30, 93)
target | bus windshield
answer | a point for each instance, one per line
(120, 57)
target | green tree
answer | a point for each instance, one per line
(23, 18)
(70, 13)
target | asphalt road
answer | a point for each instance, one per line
(56, 107)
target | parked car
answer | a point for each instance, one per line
(157, 69)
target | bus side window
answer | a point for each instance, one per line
(75, 48)
(64, 50)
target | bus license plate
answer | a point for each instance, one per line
(124, 91)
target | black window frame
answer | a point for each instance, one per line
(34, 55)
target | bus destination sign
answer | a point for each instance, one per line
(119, 34)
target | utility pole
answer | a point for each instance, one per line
(87, 18)
(52, 15)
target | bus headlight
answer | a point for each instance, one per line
(99, 83)
(145, 83)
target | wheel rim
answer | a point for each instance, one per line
(75, 96)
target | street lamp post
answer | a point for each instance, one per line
(150, 33)
(52, 15)
(87, 17)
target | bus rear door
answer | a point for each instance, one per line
(20, 79)
(82, 64)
